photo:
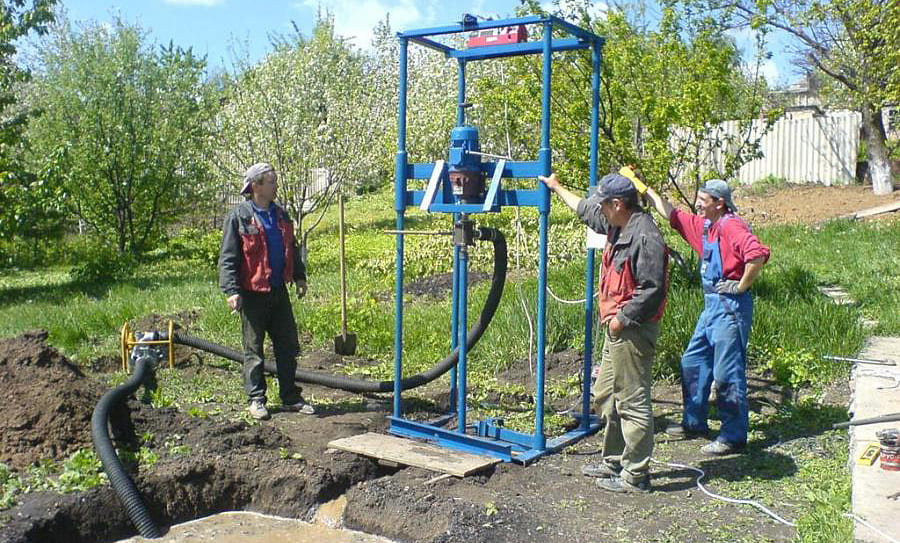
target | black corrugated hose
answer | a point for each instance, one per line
(360, 385)
(122, 484)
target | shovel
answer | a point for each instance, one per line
(344, 344)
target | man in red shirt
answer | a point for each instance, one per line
(731, 258)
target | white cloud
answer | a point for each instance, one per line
(356, 19)
(206, 3)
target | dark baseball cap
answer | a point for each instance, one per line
(613, 186)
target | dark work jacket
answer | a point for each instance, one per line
(634, 276)
(244, 258)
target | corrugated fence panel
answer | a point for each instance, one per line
(816, 149)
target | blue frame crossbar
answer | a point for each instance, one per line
(489, 437)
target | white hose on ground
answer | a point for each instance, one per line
(703, 489)
(862, 521)
(762, 507)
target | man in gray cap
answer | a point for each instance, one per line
(731, 258)
(258, 259)
(633, 284)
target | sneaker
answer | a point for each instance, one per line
(602, 470)
(677, 430)
(721, 448)
(258, 410)
(300, 406)
(621, 486)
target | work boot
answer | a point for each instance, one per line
(300, 406)
(621, 486)
(258, 410)
(721, 448)
(679, 431)
(602, 470)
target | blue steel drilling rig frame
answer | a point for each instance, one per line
(457, 187)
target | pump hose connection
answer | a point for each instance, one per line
(360, 385)
(143, 360)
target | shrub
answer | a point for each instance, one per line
(195, 244)
(104, 264)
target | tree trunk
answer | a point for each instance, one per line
(879, 157)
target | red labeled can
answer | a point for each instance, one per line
(890, 449)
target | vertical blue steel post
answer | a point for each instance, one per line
(400, 208)
(454, 325)
(589, 264)
(462, 315)
(461, 94)
(544, 157)
(454, 317)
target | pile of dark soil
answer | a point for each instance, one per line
(284, 467)
(47, 402)
(434, 286)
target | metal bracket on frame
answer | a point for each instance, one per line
(431, 188)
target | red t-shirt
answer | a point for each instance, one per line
(737, 243)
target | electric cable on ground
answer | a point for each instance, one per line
(703, 489)
(868, 525)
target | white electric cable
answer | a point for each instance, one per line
(562, 301)
(863, 521)
(884, 374)
(702, 473)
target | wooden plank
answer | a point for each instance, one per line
(889, 207)
(414, 453)
(886, 208)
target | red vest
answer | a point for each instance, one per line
(255, 270)
(617, 287)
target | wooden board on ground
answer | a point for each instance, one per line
(414, 453)
(872, 211)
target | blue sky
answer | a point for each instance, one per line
(213, 27)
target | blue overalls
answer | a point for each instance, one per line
(718, 350)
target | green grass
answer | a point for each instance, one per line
(793, 324)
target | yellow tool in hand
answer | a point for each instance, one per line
(638, 184)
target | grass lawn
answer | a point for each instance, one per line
(794, 324)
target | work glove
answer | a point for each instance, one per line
(628, 172)
(728, 286)
(301, 288)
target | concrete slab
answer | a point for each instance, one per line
(875, 394)
(838, 295)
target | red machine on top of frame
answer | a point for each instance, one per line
(497, 36)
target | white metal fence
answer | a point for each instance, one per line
(811, 149)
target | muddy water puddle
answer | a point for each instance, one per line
(243, 527)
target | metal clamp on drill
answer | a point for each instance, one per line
(464, 233)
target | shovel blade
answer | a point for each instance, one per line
(345, 345)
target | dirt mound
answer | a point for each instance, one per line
(558, 366)
(434, 286)
(165, 428)
(47, 402)
(807, 203)
(406, 510)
